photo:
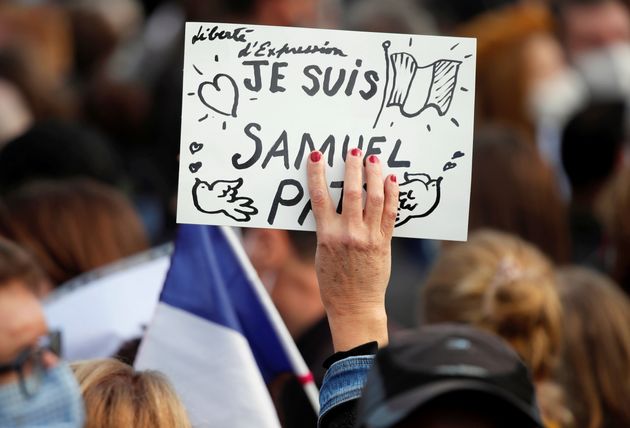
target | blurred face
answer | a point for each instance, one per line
(21, 325)
(588, 27)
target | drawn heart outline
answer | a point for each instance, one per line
(194, 167)
(195, 147)
(226, 94)
(449, 165)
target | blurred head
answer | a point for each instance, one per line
(515, 191)
(448, 376)
(515, 53)
(285, 261)
(15, 115)
(586, 25)
(303, 13)
(592, 144)
(596, 360)
(57, 150)
(500, 283)
(35, 388)
(72, 226)
(614, 207)
(16, 265)
(116, 396)
(398, 16)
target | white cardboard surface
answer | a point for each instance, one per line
(257, 100)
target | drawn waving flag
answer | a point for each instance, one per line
(216, 334)
(434, 84)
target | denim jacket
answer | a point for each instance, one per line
(344, 382)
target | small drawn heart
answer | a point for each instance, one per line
(449, 165)
(195, 147)
(220, 95)
(457, 155)
(194, 167)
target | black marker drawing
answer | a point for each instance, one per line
(195, 147)
(449, 165)
(194, 167)
(410, 84)
(222, 197)
(457, 155)
(419, 196)
(220, 95)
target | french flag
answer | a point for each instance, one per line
(217, 335)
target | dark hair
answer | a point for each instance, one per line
(515, 191)
(72, 226)
(55, 150)
(466, 404)
(17, 264)
(591, 144)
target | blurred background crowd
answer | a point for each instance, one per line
(90, 105)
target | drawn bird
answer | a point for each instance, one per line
(419, 196)
(222, 197)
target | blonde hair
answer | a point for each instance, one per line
(501, 283)
(595, 369)
(116, 396)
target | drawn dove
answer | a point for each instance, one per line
(222, 197)
(419, 196)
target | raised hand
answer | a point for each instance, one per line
(353, 258)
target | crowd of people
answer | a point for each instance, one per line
(527, 324)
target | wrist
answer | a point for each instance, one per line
(350, 329)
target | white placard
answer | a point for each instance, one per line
(257, 100)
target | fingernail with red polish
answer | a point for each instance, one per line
(373, 159)
(393, 178)
(355, 152)
(316, 156)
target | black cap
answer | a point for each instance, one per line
(443, 359)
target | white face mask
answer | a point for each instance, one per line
(555, 99)
(57, 403)
(606, 71)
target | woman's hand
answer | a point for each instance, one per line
(353, 258)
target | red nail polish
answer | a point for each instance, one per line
(373, 159)
(393, 178)
(316, 156)
(355, 152)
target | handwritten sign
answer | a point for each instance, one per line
(257, 100)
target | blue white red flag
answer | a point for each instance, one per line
(217, 335)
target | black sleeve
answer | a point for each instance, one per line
(369, 348)
(342, 416)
